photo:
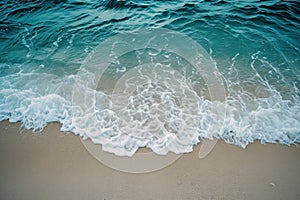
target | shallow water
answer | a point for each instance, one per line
(255, 46)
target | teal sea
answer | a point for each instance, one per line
(254, 45)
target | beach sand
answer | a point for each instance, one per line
(55, 165)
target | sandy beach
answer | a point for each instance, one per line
(55, 165)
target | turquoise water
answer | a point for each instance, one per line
(255, 45)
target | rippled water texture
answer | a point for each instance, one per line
(255, 46)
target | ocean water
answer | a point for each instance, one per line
(46, 48)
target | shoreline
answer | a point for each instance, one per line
(55, 165)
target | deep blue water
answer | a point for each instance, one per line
(255, 46)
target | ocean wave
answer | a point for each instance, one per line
(255, 46)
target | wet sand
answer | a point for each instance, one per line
(55, 165)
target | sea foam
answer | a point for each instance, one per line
(155, 116)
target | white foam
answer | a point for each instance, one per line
(174, 120)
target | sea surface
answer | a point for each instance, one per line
(254, 45)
